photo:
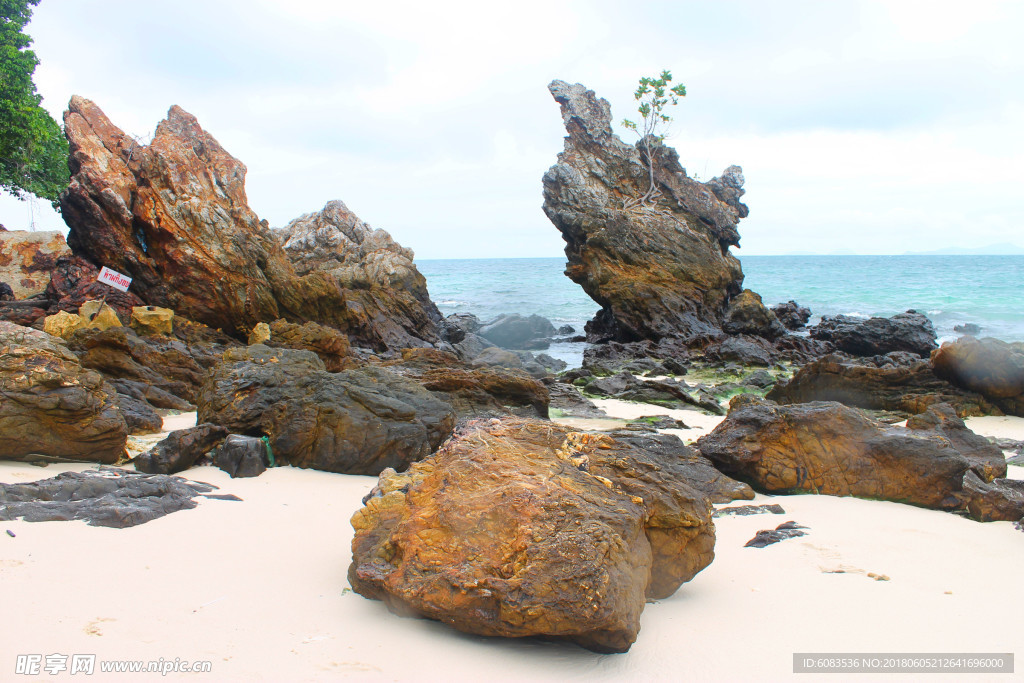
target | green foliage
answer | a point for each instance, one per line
(655, 95)
(33, 150)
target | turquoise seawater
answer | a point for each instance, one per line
(985, 290)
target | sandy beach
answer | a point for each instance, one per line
(258, 589)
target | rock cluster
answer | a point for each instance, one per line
(523, 528)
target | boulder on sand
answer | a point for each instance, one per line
(991, 367)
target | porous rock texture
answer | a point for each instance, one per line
(991, 367)
(50, 405)
(173, 215)
(359, 421)
(656, 270)
(525, 528)
(26, 259)
(829, 448)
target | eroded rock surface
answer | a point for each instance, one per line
(359, 421)
(911, 332)
(26, 259)
(524, 528)
(52, 406)
(658, 270)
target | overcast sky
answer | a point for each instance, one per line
(861, 127)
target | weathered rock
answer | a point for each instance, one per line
(515, 331)
(666, 393)
(661, 270)
(831, 449)
(359, 421)
(897, 381)
(792, 315)
(259, 334)
(329, 344)
(471, 346)
(910, 331)
(508, 530)
(173, 215)
(181, 449)
(242, 456)
(98, 315)
(50, 405)
(167, 363)
(109, 497)
(568, 401)
(150, 320)
(26, 259)
(471, 391)
(747, 314)
(154, 396)
(1000, 500)
(767, 537)
(985, 458)
(991, 367)
(742, 349)
(139, 415)
(63, 324)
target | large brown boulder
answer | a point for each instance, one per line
(329, 344)
(828, 448)
(50, 405)
(898, 381)
(523, 528)
(658, 270)
(26, 259)
(991, 367)
(173, 215)
(359, 421)
(747, 314)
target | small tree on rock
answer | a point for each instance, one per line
(654, 96)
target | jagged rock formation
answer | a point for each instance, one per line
(747, 314)
(359, 421)
(173, 215)
(991, 367)
(792, 315)
(898, 381)
(828, 448)
(524, 528)
(50, 406)
(180, 450)
(657, 271)
(386, 295)
(26, 259)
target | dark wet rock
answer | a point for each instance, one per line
(997, 500)
(514, 331)
(181, 449)
(154, 396)
(800, 350)
(761, 379)
(139, 415)
(6, 293)
(358, 421)
(523, 528)
(52, 406)
(792, 315)
(831, 449)
(972, 329)
(571, 403)
(108, 497)
(613, 357)
(991, 367)
(658, 270)
(747, 314)
(566, 330)
(668, 393)
(898, 381)
(766, 537)
(747, 510)
(743, 349)
(551, 364)
(471, 346)
(910, 331)
(242, 456)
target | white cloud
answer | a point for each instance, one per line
(866, 126)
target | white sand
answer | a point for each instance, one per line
(258, 588)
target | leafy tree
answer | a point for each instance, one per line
(33, 150)
(654, 96)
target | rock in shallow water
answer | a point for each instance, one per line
(524, 528)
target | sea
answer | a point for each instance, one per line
(951, 290)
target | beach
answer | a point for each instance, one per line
(258, 589)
